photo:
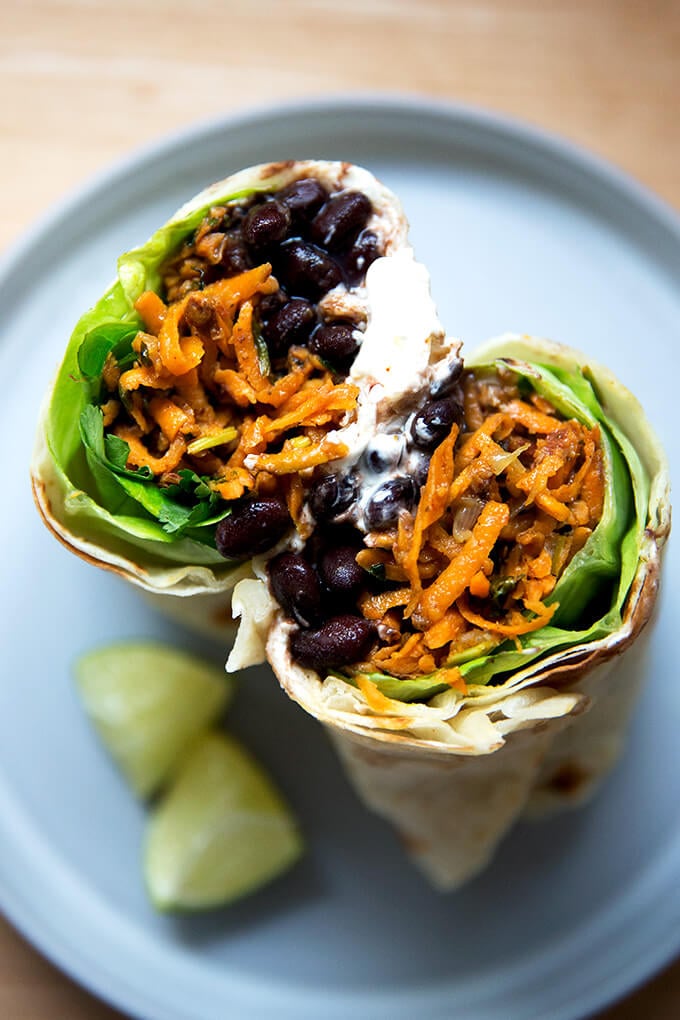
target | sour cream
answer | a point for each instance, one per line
(404, 355)
(402, 324)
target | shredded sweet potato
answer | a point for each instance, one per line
(368, 558)
(592, 487)
(410, 657)
(234, 482)
(235, 386)
(514, 624)
(479, 585)
(446, 630)
(315, 408)
(110, 411)
(375, 606)
(431, 506)
(199, 369)
(472, 445)
(140, 457)
(374, 697)
(179, 354)
(507, 503)
(380, 703)
(170, 418)
(152, 311)
(296, 457)
(453, 581)
(453, 677)
(142, 375)
(533, 420)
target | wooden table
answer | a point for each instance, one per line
(85, 81)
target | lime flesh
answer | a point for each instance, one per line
(220, 831)
(148, 702)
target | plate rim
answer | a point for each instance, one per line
(506, 125)
(23, 915)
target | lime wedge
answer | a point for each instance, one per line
(148, 702)
(220, 831)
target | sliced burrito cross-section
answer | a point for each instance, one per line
(453, 621)
(213, 375)
(441, 563)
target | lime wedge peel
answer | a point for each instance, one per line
(148, 703)
(220, 831)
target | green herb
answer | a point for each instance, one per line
(108, 338)
(500, 587)
(216, 439)
(263, 358)
(191, 504)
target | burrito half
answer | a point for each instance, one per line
(210, 377)
(457, 627)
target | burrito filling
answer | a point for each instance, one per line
(236, 384)
(469, 528)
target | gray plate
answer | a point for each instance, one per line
(521, 232)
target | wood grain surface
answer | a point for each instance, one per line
(85, 81)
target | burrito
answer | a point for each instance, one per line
(457, 624)
(211, 376)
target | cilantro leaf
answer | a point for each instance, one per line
(189, 504)
(106, 338)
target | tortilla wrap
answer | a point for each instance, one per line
(453, 773)
(80, 497)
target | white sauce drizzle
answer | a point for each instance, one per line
(393, 369)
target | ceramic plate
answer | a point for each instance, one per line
(520, 232)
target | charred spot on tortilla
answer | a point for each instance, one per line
(570, 780)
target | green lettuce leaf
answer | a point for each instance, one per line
(107, 504)
(108, 338)
(191, 504)
(420, 688)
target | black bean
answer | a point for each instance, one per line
(296, 587)
(420, 471)
(303, 198)
(338, 642)
(340, 571)
(363, 252)
(383, 453)
(307, 270)
(331, 495)
(432, 423)
(337, 224)
(236, 215)
(331, 533)
(270, 304)
(335, 343)
(291, 324)
(266, 225)
(235, 258)
(252, 527)
(384, 506)
(449, 379)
